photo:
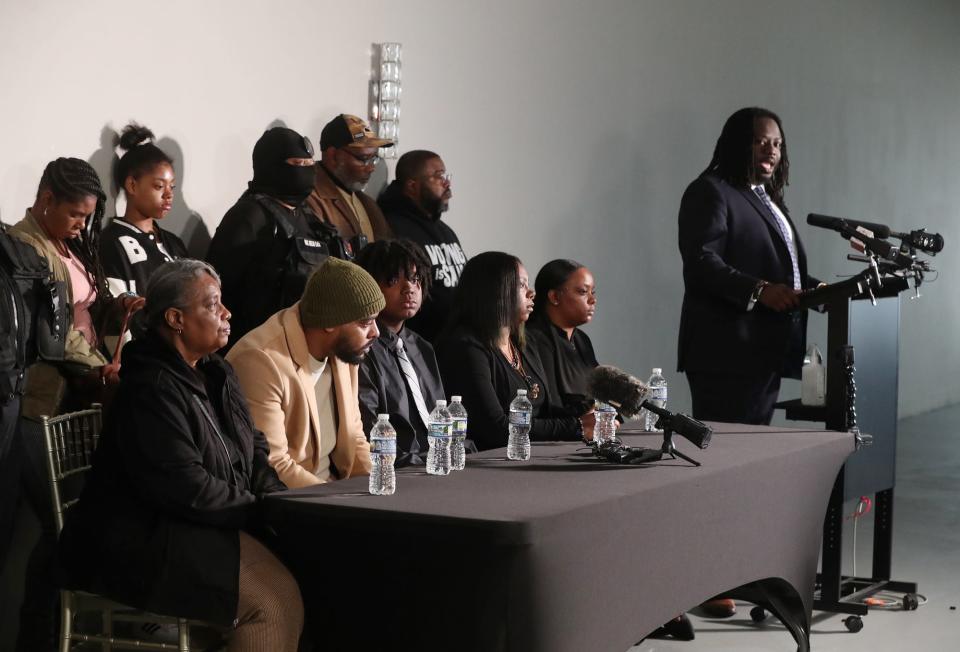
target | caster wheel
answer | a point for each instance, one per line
(758, 614)
(910, 602)
(853, 623)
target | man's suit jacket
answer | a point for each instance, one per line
(271, 362)
(383, 389)
(729, 242)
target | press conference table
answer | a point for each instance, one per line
(563, 552)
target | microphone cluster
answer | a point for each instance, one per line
(931, 243)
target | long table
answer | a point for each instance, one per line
(563, 552)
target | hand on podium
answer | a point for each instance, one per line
(779, 297)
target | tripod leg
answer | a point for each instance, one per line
(675, 453)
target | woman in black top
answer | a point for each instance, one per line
(133, 246)
(483, 358)
(566, 298)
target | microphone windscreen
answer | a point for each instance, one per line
(611, 385)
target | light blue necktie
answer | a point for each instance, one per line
(783, 226)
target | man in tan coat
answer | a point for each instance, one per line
(348, 156)
(299, 374)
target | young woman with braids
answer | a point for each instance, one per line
(63, 226)
(133, 246)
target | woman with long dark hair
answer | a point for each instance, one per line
(566, 299)
(483, 355)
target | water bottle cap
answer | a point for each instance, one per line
(441, 403)
(521, 392)
(383, 417)
(657, 371)
(456, 399)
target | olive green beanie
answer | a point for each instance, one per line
(339, 292)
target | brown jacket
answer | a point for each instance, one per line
(328, 204)
(271, 362)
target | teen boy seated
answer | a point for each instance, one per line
(399, 375)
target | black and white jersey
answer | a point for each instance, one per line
(129, 256)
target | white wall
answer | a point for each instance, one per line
(571, 128)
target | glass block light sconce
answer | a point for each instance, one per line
(385, 104)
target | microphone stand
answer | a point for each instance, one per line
(668, 447)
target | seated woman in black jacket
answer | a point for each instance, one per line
(482, 356)
(176, 479)
(566, 298)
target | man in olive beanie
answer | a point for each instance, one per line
(299, 374)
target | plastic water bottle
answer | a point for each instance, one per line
(657, 396)
(439, 436)
(605, 428)
(458, 456)
(383, 453)
(521, 415)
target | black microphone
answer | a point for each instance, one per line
(932, 243)
(839, 224)
(621, 390)
(689, 428)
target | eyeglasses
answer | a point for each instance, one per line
(442, 177)
(365, 162)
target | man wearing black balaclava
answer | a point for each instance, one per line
(267, 244)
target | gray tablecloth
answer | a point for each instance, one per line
(563, 552)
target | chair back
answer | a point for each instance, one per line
(71, 440)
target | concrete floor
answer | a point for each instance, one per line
(926, 550)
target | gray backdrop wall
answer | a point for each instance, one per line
(571, 128)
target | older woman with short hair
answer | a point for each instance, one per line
(163, 522)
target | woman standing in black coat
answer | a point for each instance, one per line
(483, 357)
(162, 524)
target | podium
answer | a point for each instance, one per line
(871, 326)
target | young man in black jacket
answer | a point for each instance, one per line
(413, 205)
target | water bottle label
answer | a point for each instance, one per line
(383, 446)
(459, 427)
(440, 430)
(519, 418)
(657, 394)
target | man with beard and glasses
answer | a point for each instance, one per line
(348, 156)
(299, 374)
(413, 205)
(268, 243)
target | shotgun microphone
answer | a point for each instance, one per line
(839, 223)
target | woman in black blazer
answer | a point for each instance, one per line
(482, 356)
(566, 297)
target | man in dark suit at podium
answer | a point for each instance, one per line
(743, 268)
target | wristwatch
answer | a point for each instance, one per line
(757, 291)
(755, 295)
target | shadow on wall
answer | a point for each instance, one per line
(104, 161)
(181, 219)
